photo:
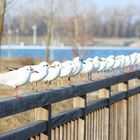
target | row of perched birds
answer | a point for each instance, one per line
(48, 72)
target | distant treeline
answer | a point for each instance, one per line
(69, 19)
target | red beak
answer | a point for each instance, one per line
(52, 66)
(62, 67)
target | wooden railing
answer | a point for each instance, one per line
(113, 116)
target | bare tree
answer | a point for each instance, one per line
(2, 12)
(49, 28)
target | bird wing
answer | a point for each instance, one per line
(9, 76)
(12, 69)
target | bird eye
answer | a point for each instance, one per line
(43, 65)
(47, 65)
(58, 65)
(27, 69)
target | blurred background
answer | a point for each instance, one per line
(36, 30)
(49, 27)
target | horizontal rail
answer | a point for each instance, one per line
(41, 126)
(26, 132)
(11, 105)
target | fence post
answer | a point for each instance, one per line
(81, 102)
(103, 93)
(44, 113)
(122, 87)
(106, 122)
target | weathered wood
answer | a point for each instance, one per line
(122, 87)
(66, 116)
(130, 119)
(103, 93)
(80, 102)
(83, 122)
(123, 119)
(106, 121)
(138, 116)
(25, 132)
(11, 105)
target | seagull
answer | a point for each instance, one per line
(127, 63)
(77, 66)
(133, 58)
(66, 70)
(117, 64)
(16, 78)
(122, 57)
(42, 71)
(96, 65)
(102, 65)
(138, 59)
(109, 63)
(54, 71)
(88, 67)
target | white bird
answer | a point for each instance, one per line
(110, 61)
(16, 78)
(127, 63)
(133, 58)
(42, 72)
(138, 59)
(53, 72)
(102, 66)
(77, 66)
(96, 65)
(122, 57)
(88, 67)
(66, 69)
(117, 64)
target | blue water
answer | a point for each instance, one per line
(64, 53)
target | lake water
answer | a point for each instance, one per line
(63, 53)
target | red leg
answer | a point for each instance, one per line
(32, 89)
(16, 92)
(36, 87)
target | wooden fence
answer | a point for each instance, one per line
(113, 116)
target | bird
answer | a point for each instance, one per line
(54, 71)
(127, 63)
(77, 66)
(96, 65)
(117, 64)
(122, 57)
(16, 78)
(133, 58)
(42, 70)
(109, 64)
(102, 66)
(88, 68)
(66, 70)
(138, 60)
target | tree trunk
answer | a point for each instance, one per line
(76, 28)
(49, 30)
(2, 12)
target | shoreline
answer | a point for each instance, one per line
(57, 47)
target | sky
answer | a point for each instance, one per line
(19, 5)
(101, 4)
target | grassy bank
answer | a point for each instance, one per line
(27, 40)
